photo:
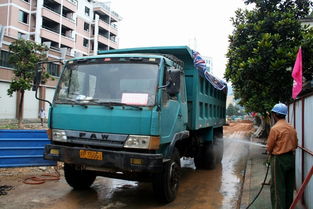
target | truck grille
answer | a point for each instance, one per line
(96, 139)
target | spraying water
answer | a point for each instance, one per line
(246, 142)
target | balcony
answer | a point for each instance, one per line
(73, 2)
(67, 37)
(68, 14)
(103, 39)
(51, 28)
(70, 4)
(68, 50)
(104, 25)
(102, 47)
(113, 29)
(68, 23)
(113, 44)
(103, 8)
(54, 45)
(46, 12)
(49, 34)
(52, 5)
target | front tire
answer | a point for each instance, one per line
(78, 179)
(166, 184)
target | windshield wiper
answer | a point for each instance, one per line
(76, 102)
(111, 104)
(85, 103)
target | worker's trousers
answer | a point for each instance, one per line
(283, 180)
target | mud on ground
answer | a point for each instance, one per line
(243, 126)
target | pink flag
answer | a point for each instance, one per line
(297, 75)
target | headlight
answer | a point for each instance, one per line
(142, 142)
(59, 135)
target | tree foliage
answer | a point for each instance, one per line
(24, 56)
(234, 110)
(262, 51)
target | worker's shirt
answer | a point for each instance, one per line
(282, 138)
(42, 114)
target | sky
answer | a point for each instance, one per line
(203, 25)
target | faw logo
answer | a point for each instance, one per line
(84, 135)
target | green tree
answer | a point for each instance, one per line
(24, 56)
(307, 48)
(262, 51)
(236, 110)
(231, 110)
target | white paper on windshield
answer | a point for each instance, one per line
(135, 98)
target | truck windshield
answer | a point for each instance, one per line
(125, 83)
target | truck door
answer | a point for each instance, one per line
(173, 118)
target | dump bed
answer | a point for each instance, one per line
(206, 104)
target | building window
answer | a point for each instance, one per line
(85, 43)
(23, 17)
(87, 11)
(86, 26)
(53, 69)
(4, 59)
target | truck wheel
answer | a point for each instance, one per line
(78, 179)
(165, 184)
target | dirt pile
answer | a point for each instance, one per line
(245, 126)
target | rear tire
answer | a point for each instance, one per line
(78, 179)
(166, 184)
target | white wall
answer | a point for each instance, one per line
(49, 97)
(7, 103)
(31, 105)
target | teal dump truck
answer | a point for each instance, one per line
(132, 114)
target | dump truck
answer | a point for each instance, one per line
(132, 114)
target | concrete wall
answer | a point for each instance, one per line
(31, 105)
(7, 103)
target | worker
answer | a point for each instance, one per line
(281, 144)
(42, 116)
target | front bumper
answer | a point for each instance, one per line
(115, 160)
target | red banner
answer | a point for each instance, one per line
(297, 75)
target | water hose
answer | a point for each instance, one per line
(264, 182)
(43, 178)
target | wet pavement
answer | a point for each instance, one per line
(254, 178)
(218, 188)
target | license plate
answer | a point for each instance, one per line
(92, 155)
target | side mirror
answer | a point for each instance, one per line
(37, 77)
(173, 81)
